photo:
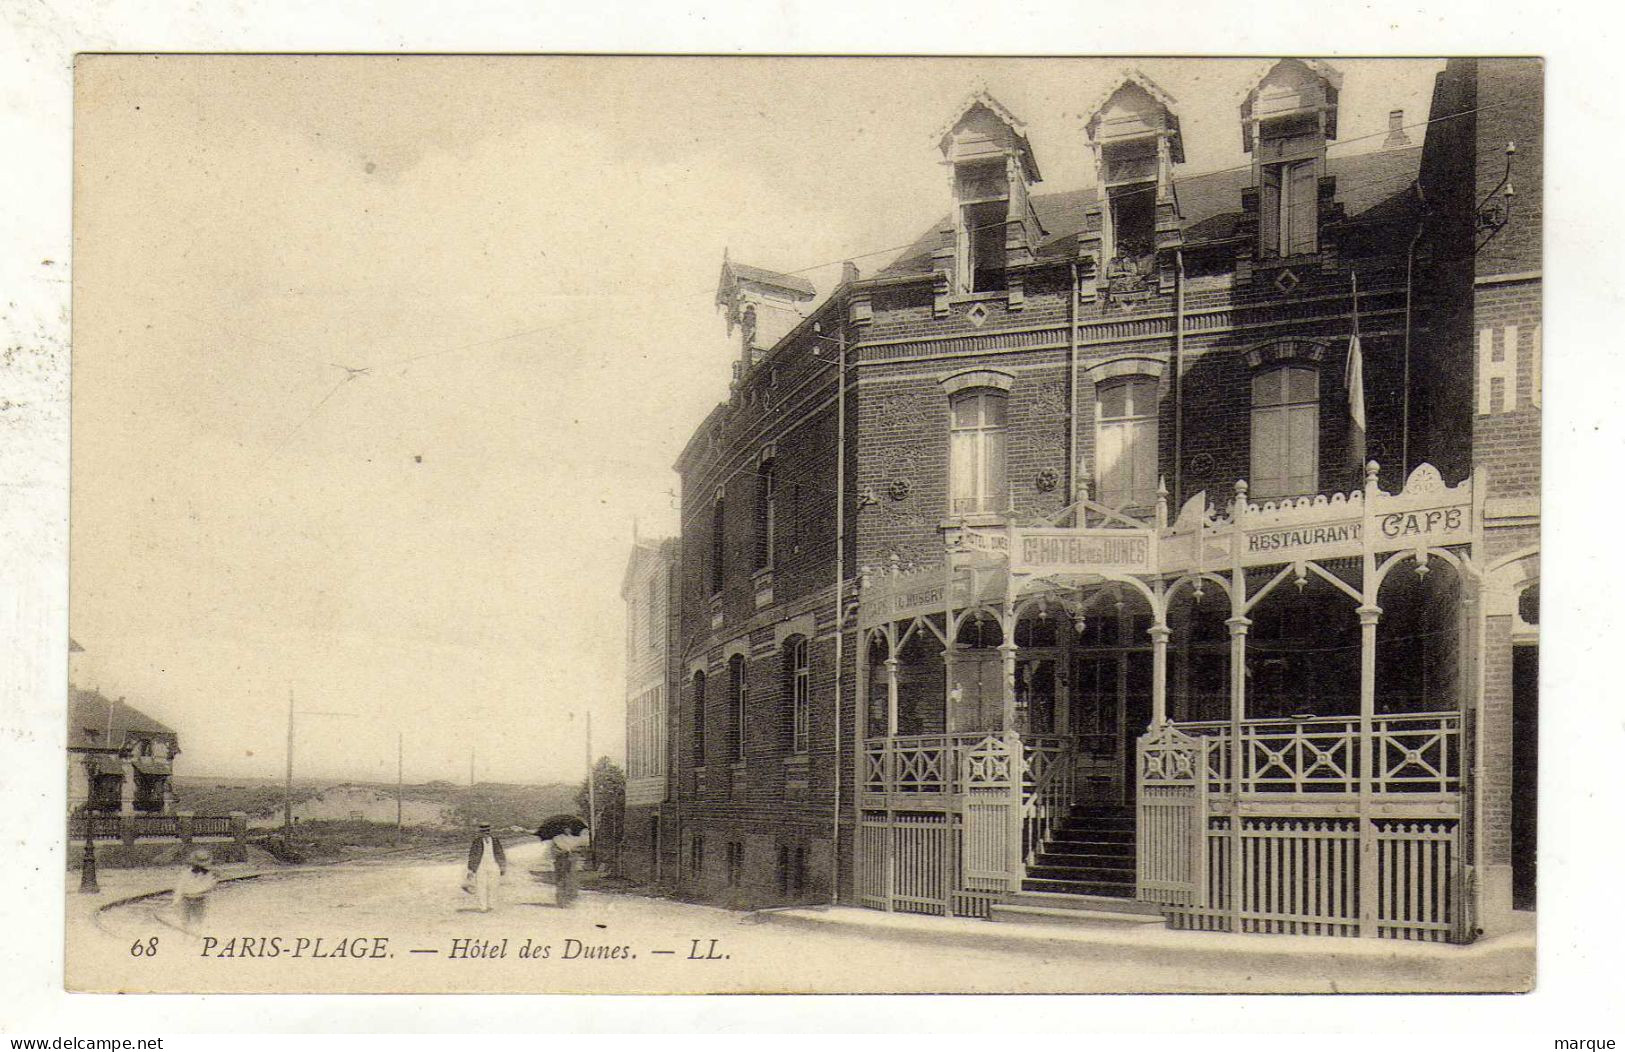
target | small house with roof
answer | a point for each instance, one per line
(119, 758)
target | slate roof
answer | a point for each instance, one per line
(88, 721)
(1370, 186)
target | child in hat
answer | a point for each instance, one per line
(197, 879)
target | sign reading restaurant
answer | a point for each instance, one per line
(1303, 537)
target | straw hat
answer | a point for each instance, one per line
(201, 859)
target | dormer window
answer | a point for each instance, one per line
(984, 211)
(1287, 120)
(994, 229)
(1134, 225)
(1134, 134)
(1288, 209)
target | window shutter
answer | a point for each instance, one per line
(1113, 465)
(1269, 470)
(1302, 423)
(998, 493)
(1302, 207)
(1269, 211)
(1144, 450)
(962, 470)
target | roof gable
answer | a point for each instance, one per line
(981, 99)
(96, 721)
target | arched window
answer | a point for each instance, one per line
(798, 670)
(737, 691)
(1126, 442)
(1286, 432)
(977, 454)
(766, 513)
(719, 545)
(699, 719)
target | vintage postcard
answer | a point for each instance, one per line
(588, 524)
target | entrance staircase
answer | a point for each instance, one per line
(1083, 874)
(1091, 852)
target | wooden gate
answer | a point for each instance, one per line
(1171, 785)
(988, 779)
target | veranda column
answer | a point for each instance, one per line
(1159, 673)
(891, 696)
(1017, 867)
(1238, 708)
(1369, 613)
(1238, 623)
(1369, 616)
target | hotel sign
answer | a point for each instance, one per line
(1083, 551)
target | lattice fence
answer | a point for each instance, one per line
(911, 864)
(1302, 876)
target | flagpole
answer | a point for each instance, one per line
(1354, 382)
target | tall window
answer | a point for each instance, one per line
(984, 196)
(1134, 217)
(656, 620)
(699, 719)
(719, 545)
(977, 455)
(1288, 209)
(766, 513)
(800, 693)
(985, 229)
(737, 688)
(1286, 432)
(1126, 442)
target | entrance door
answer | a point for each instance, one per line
(1096, 720)
(1525, 732)
(1136, 713)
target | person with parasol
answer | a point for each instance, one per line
(564, 835)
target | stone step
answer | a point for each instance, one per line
(1060, 900)
(1081, 874)
(1019, 914)
(1081, 860)
(1104, 888)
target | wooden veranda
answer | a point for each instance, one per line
(1250, 813)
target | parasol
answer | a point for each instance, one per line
(560, 825)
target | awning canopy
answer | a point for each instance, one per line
(101, 763)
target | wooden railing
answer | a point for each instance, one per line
(1411, 753)
(142, 826)
(951, 763)
(1049, 786)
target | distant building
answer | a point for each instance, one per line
(361, 803)
(119, 758)
(648, 852)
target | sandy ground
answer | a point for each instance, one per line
(406, 927)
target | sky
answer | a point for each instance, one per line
(521, 253)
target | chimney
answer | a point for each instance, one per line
(1396, 131)
(849, 272)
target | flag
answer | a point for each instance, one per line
(1354, 382)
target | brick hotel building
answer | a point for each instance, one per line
(1169, 547)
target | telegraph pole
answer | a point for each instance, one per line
(287, 788)
(400, 739)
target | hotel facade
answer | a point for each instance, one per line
(1166, 548)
